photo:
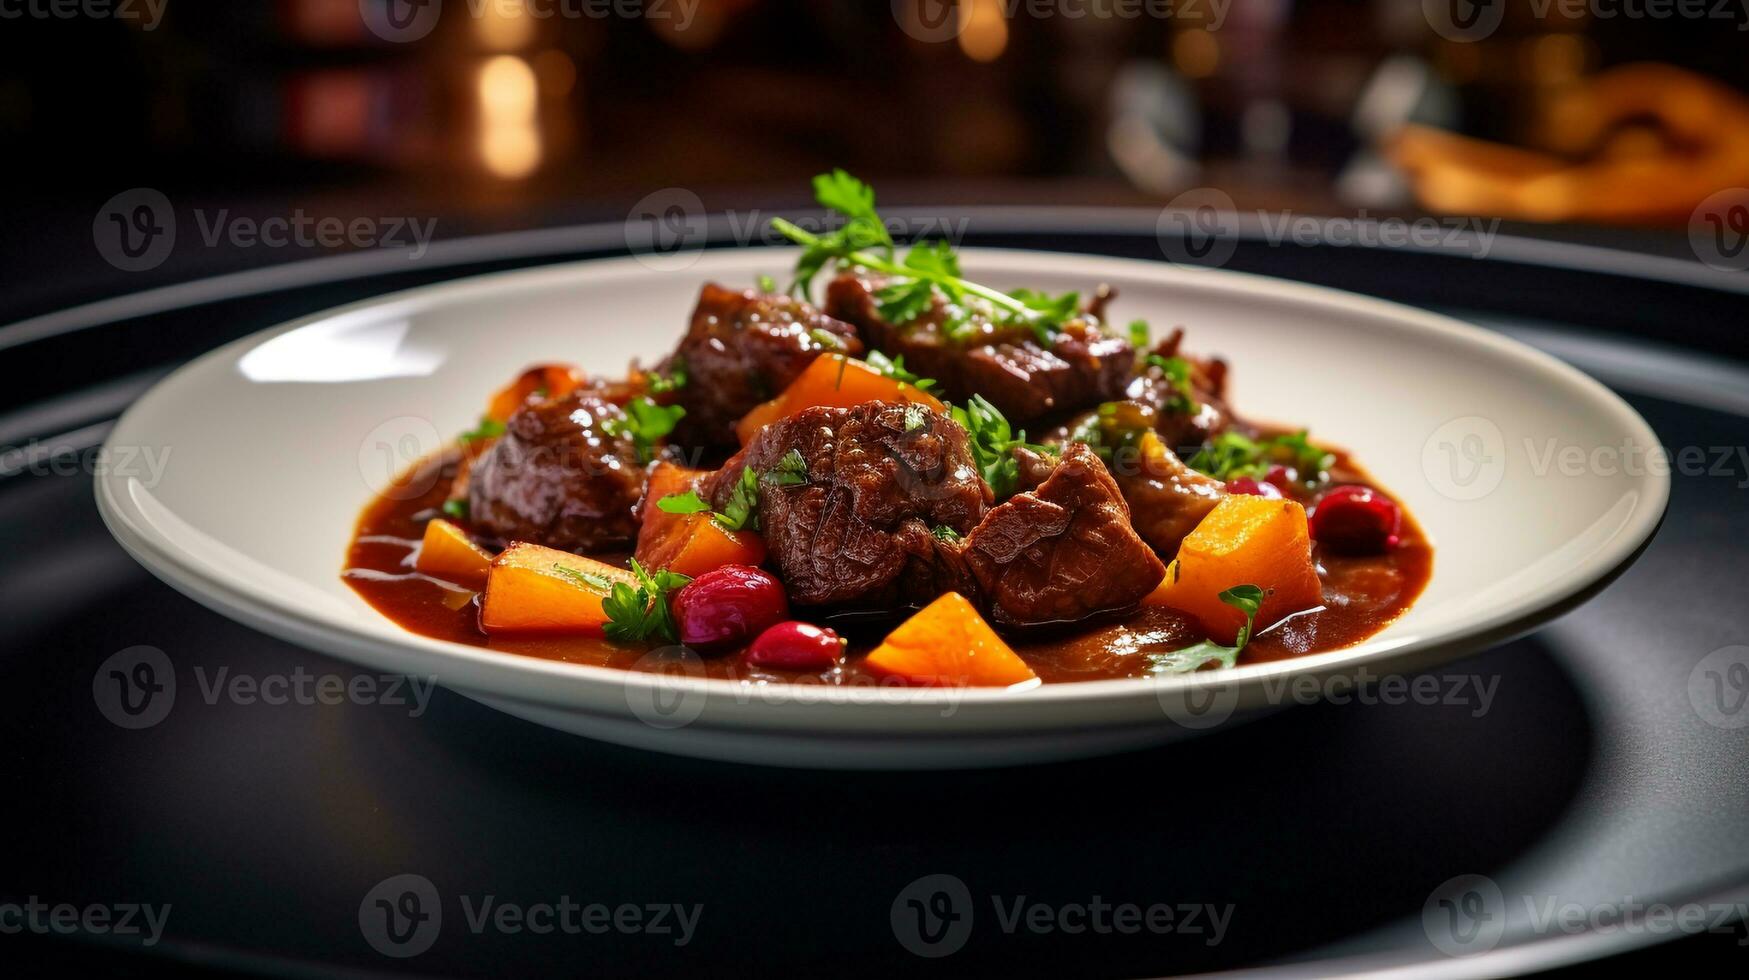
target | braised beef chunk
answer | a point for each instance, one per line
(1167, 498)
(1063, 551)
(557, 477)
(742, 349)
(856, 523)
(1186, 394)
(1003, 362)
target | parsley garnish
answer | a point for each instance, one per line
(895, 368)
(915, 417)
(790, 470)
(827, 339)
(767, 284)
(645, 423)
(863, 240)
(673, 380)
(1112, 426)
(944, 533)
(488, 428)
(993, 443)
(456, 507)
(688, 502)
(1245, 598)
(1231, 455)
(1177, 371)
(641, 614)
(742, 510)
(1139, 334)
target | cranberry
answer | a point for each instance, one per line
(1279, 477)
(725, 607)
(1245, 484)
(796, 646)
(1356, 521)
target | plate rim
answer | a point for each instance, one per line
(498, 673)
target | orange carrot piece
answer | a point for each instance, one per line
(833, 381)
(555, 380)
(1245, 540)
(947, 644)
(449, 554)
(531, 589)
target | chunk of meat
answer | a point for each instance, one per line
(1167, 498)
(1003, 362)
(1184, 420)
(557, 477)
(858, 530)
(742, 349)
(1061, 552)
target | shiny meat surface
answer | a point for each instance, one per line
(743, 348)
(859, 529)
(1004, 363)
(557, 478)
(1167, 498)
(1061, 552)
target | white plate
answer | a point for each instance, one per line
(1532, 480)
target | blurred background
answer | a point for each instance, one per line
(1616, 121)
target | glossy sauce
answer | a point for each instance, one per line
(1361, 596)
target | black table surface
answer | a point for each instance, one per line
(1317, 837)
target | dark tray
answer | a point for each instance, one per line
(1593, 779)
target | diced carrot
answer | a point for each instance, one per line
(554, 380)
(947, 644)
(833, 381)
(449, 554)
(1245, 540)
(690, 544)
(531, 589)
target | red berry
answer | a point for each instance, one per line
(1355, 520)
(1245, 484)
(725, 607)
(1279, 477)
(796, 646)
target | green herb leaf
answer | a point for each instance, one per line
(742, 509)
(1230, 455)
(827, 339)
(944, 533)
(791, 469)
(1245, 598)
(642, 614)
(675, 378)
(683, 503)
(456, 507)
(487, 428)
(903, 300)
(993, 443)
(1139, 334)
(895, 368)
(916, 416)
(767, 284)
(645, 423)
(1177, 371)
